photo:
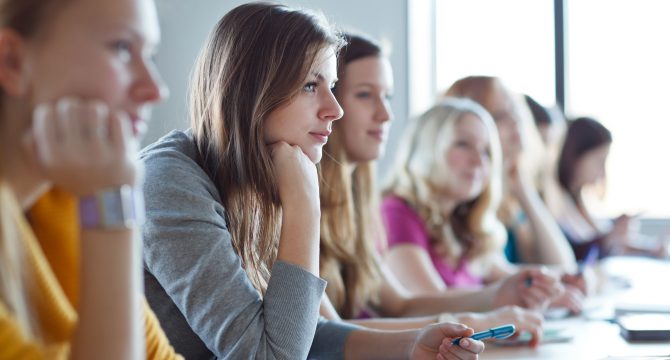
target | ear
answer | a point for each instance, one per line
(12, 62)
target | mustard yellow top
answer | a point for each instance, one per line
(52, 258)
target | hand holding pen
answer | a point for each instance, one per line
(579, 279)
(531, 288)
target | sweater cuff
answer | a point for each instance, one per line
(330, 339)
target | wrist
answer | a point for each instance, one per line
(471, 320)
(115, 208)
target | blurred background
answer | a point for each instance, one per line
(608, 59)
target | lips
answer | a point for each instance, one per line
(376, 134)
(321, 136)
(138, 124)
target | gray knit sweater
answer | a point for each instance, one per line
(195, 283)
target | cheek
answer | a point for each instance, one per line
(456, 160)
(354, 122)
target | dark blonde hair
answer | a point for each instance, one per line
(350, 224)
(253, 63)
(26, 18)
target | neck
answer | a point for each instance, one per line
(19, 163)
(350, 167)
(447, 206)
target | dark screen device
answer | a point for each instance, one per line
(645, 327)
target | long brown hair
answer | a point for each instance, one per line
(253, 63)
(26, 18)
(584, 134)
(350, 225)
(473, 224)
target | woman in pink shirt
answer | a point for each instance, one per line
(440, 206)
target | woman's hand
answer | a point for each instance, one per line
(82, 148)
(297, 179)
(435, 342)
(298, 187)
(523, 319)
(572, 299)
(532, 288)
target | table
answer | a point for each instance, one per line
(593, 337)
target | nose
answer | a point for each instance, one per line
(477, 159)
(149, 86)
(383, 113)
(330, 109)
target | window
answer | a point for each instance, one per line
(618, 62)
(512, 39)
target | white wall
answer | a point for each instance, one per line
(185, 25)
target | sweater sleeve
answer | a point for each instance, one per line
(14, 345)
(188, 249)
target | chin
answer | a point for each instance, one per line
(315, 156)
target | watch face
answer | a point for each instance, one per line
(110, 209)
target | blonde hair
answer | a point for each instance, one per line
(26, 18)
(14, 280)
(351, 226)
(253, 63)
(350, 230)
(473, 223)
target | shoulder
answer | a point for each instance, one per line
(396, 204)
(174, 151)
(171, 166)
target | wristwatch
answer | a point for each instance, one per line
(112, 209)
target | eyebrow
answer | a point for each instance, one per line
(320, 77)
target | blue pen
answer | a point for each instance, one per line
(589, 260)
(500, 332)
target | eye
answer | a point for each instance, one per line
(122, 48)
(389, 97)
(363, 95)
(310, 87)
(461, 144)
(486, 153)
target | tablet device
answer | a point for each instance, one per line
(645, 327)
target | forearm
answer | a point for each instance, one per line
(395, 323)
(299, 239)
(550, 246)
(376, 344)
(456, 300)
(110, 320)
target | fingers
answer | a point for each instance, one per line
(454, 330)
(466, 349)
(576, 281)
(44, 134)
(121, 134)
(537, 287)
(572, 299)
(73, 137)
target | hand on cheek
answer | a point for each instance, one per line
(82, 147)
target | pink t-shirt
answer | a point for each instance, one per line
(404, 226)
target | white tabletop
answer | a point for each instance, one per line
(592, 336)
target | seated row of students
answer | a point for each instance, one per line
(351, 230)
(232, 234)
(574, 155)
